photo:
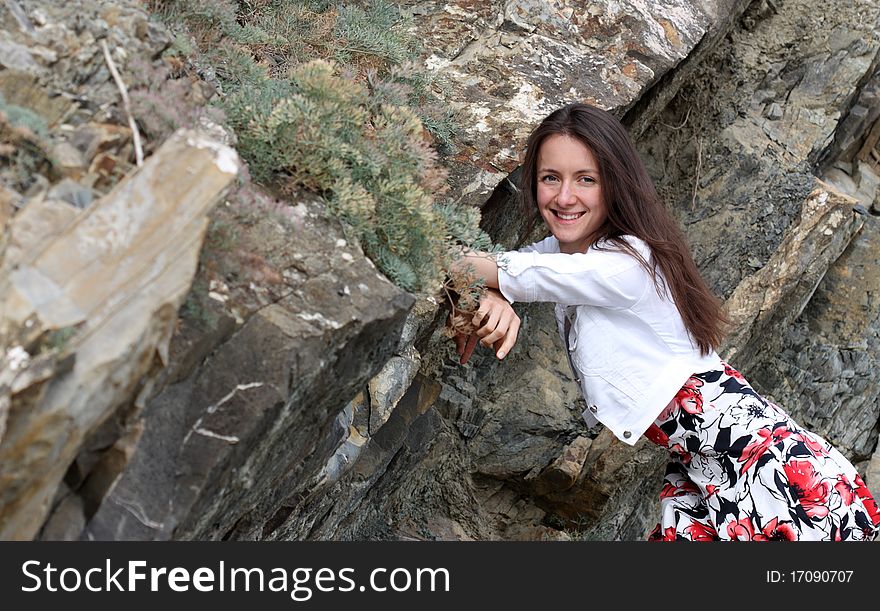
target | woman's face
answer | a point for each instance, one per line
(570, 197)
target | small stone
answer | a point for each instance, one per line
(99, 28)
(72, 192)
(48, 56)
(69, 159)
(9, 199)
(762, 96)
(39, 17)
(154, 35)
(14, 56)
(93, 138)
(66, 521)
(774, 112)
(103, 166)
(38, 188)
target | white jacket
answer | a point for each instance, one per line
(628, 347)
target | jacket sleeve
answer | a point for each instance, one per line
(606, 278)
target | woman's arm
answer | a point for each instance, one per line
(480, 264)
(602, 277)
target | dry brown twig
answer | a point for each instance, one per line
(697, 177)
(683, 123)
(463, 294)
(136, 136)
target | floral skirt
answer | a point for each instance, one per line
(741, 469)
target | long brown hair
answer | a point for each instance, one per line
(635, 209)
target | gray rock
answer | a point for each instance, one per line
(823, 369)
(14, 56)
(225, 447)
(85, 292)
(774, 112)
(67, 519)
(387, 388)
(72, 192)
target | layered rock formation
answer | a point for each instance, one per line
(302, 396)
(89, 306)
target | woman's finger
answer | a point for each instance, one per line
(501, 328)
(480, 314)
(492, 324)
(509, 339)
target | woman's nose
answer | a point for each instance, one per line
(566, 195)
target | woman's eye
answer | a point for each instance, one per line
(548, 178)
(587, 179)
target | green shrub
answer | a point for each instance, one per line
(18, 116)
(367, 155)
(327, 97)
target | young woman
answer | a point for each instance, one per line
(642, 328)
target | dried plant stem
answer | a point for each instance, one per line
(683, 123)
(697, 176)
(136, 136)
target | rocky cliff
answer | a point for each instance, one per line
(270, 384)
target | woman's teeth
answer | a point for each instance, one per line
(569, 217)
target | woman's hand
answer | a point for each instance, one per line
(497, 325)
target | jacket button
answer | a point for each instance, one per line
(594, 409)
(627, 434)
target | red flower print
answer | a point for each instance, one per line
(867, 500)
(813, 446)
(689, 398)
(701, 532)
(754, 450)
(777, 531)
(682, 455)
(662, 535)
(667, 412)
(808, 487)
(671, 490)
(733, 373)
(711, 489)
(844, 489)
(741, 530)
(656, 435)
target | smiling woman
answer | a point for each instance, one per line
(641, 330)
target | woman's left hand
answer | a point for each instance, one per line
(497, 325)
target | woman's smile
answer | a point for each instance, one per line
(571, 216)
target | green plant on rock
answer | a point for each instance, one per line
(326, 96)
(24, 153)
(368, 156)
